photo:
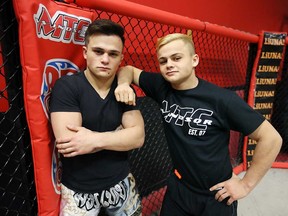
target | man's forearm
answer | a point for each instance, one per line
(130, 137)
(124, 92)
(125, 75)
(264, 156)
(121, 140)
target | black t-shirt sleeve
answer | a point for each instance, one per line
(241, 116)
(64, 96)
(127, 107)
(153, 84)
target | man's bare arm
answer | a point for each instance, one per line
(59, 122)
(126, 76)
(268, 146)
(130, 137)
(84, 141)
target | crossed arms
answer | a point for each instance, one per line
(72, 139)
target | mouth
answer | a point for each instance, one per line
(103, 68)
(170, 73)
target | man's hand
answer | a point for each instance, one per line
(232, 189)
(124, 93)
(80, 143)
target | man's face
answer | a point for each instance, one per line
(103, 55)
(177, 63)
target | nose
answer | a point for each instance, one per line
(169, 64)
(105, 58)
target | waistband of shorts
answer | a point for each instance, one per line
(78, 189)
(177, 175)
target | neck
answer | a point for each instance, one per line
(187, 84)
(101, 86)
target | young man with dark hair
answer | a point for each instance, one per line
(94, 132)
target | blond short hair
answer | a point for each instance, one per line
(175, 36)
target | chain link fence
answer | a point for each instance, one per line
(279, 117)
(17, 188)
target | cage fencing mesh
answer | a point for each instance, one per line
(279, 117)
(223, 61)
(17, 188)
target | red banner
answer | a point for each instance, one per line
(267, 65)
(51, 36)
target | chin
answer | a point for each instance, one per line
(172, 79)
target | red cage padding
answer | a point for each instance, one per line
(51, 36)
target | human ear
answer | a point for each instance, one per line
(195, 60)
(84, 48)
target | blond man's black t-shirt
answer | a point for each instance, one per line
(197, 125)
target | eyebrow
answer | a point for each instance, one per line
(171, 56)
(109, 51)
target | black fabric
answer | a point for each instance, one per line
(180, 201)
(91, 172)
(197, 125)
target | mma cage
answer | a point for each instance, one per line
(254, 66)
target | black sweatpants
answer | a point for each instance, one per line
(181, 201)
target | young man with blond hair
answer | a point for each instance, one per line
(198, 117)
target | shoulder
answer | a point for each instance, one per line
(151, 77)
(69, 80)
(220, 97)
(150, 74)
(154, 85)
(68, 84)
(70, 77)
(152, 80)
(215, 89)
